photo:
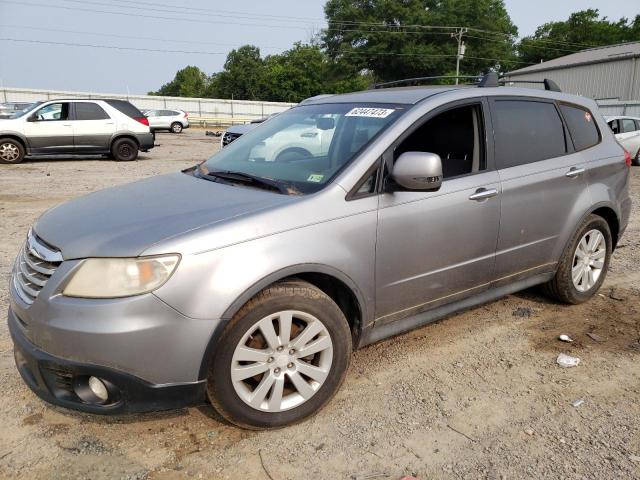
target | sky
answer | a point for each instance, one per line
(196, 32)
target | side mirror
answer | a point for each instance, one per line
(32, 118)
(421, 171)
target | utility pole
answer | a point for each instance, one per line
(461, 48)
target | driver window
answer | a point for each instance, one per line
(53, 112)
(456, 135)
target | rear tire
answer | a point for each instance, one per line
(176, 127)
(124, 150)
(583, 266)
(293, 385)
(11, 151)
(636, 160)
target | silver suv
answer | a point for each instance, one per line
(250, 281)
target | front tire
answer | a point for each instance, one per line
(124, 150)
(176, 127)
(281, 358)
(11, 151)
(583, 266)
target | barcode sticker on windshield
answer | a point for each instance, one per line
(370, 112)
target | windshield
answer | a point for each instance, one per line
(304, 147)
(26, 110)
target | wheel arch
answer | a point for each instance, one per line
(334, 283)
(612, 219)
(17, 137)
(120, 135)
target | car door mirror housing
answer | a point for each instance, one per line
(421, 171)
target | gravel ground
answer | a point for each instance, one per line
(478, 395)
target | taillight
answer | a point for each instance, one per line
(186, 115)
(627, 159)
(142, 120)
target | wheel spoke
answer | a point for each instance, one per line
(583, 244)
(316, 346)
(598, 264)
(579, 252)
(311, 371)
(599, 254)
(590, 278)
(266, 327)
(260, 393)
(301, 385)
(248, 354)
(311, 330)
(275, 402)
(585, 278)
(576, 272)
(284, 320)
(243, 372)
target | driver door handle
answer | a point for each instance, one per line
(574, 172)
(483, 193)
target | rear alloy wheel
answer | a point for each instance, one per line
(583, 266)
(11, 151)
(124, 150)
(281, 358)
(176, 127)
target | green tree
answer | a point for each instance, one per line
(241, 77)
(395, 40)
(583, 29)
(188, 82)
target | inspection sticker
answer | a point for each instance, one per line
(315, 177)
(370, 112)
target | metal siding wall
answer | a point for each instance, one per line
(228, 111)
(598, 80)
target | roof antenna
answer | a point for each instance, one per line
(490, 79)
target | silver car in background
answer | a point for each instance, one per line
(173, 121)
(250, 282)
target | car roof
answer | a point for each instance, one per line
(405, 95)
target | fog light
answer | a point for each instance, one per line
(98, 388)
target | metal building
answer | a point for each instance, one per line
(610, 75)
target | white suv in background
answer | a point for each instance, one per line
(173, 120)
(627, 132)
(78, 126)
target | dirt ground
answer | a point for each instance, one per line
(478, 395)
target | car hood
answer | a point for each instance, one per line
(126, 220)
(242, 129)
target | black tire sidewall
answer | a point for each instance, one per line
(116, 147)
(174, 125)
(220, 388)
(566, 280)
(21, 151)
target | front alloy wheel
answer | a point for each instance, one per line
(280, 358)
(11, 151)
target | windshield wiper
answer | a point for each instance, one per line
(247, 178)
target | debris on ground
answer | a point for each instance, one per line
(567, 361)
(577, 403)
(528, 431)
(595, 337)
(522, 312)
(209, 133)
(614, 296)
(565, 338)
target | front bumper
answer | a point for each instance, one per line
(61, 382)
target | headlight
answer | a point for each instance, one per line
(120, 277)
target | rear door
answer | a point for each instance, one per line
(49, 130)
(93, 128)
(629, 135)
(543, 184)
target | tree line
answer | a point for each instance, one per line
(369, 41)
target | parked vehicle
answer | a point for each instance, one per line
(77, 126)
(172, 120)
(8, 109)
(627, 132)
(250, 282)
(236, 131)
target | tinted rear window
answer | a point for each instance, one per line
(582, 126)
(90, 111)
(526, 132)
(125, 107)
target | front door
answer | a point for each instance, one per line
(437, 247)
(49, 130)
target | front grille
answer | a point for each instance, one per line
(229, 137)
(36, 262)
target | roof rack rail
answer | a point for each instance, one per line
(418, 80)
(548, 84)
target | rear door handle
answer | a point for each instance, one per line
(483, 194)
(574, 172)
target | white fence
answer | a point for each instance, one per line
(620, 107)
(203, 111)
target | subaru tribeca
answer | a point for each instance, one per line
(250, 282)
